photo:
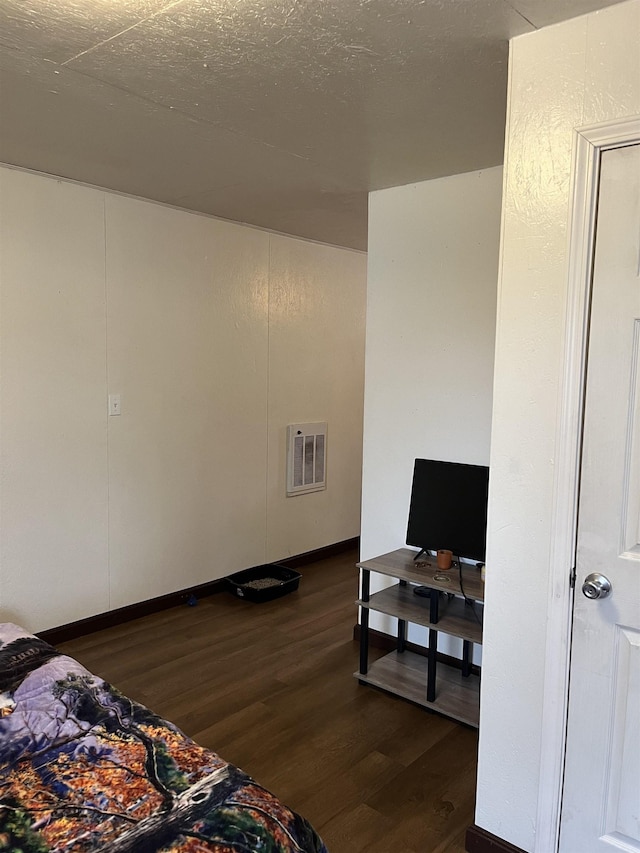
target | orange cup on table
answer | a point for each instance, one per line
(444, 558)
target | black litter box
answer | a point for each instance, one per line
(263, 583)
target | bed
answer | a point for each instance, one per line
(84, 768)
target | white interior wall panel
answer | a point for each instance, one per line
(53, 441)
(316, 367)
(187, 352)
(433, 267)
(104, 294)
(571, 75)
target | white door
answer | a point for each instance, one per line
(601, 799)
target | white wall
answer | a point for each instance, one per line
(316, 373)
(208, 330)
(53, 385)
(432, 277)
(574, 74)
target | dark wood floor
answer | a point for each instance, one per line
(270, 688)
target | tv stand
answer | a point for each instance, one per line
(423, 679)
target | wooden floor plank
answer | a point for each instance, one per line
(270, 688)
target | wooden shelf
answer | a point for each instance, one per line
(414, 676)
(456, 617)
(405, 674)
(400, 564)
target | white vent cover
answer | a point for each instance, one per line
(306, 458)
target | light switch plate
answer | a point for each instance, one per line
(114, 404)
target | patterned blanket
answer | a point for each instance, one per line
(83, 768)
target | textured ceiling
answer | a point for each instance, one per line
(279, 113)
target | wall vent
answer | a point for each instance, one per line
(306, 458)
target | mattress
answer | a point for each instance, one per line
(84, 768)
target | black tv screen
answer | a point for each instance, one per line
(449, 508)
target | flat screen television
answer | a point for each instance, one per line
(449, 508)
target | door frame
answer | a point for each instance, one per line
(588, 144)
